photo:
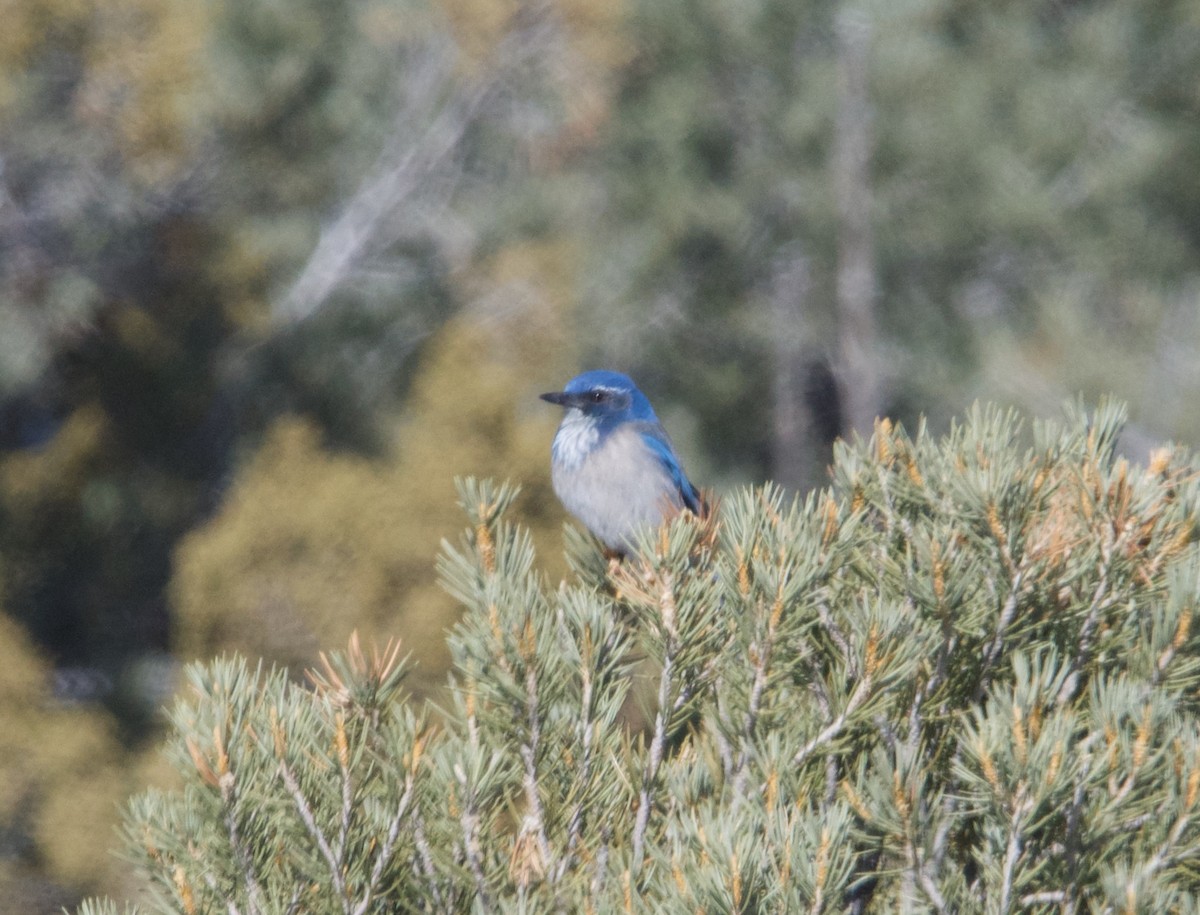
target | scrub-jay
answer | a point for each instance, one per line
(612, 463)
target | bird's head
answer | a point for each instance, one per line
(606, 398)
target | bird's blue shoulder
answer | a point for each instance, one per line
(656, 440)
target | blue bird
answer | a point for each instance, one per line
(612, 463)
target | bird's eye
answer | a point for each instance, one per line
(598, 396)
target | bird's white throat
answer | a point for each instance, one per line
(576, 437)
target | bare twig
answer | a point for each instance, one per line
(601, 872)
(762, 662)
(333, 860)
(586, 729)
(654, 757)
(839, 638)
(1087, 634)
(425, 855)
(724, 747)
(529, 751)
(860, 695)
(1007, 614)
(469, 821)
(1162, 855)
(916, 863)
(1047, 897)
(594, 658)
(293, 905)
(240, 851)
(230, 906)
(1021, 806)
(386, 848)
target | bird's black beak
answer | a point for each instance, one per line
(562, 398)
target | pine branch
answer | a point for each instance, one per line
(655, 755)
(890, 711)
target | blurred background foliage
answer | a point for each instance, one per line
(63, 774)
(310, 543)
(272, 273)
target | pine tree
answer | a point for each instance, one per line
(964, 678)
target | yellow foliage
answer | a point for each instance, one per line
(595, 40)
(39, 489)
(595, 30)
(479, 24)
(299, 551)
(25, 25)
(311, 544)
(143, 68)
(28, 479)
(62, 775)
(139, 61)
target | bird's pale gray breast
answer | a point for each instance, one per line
(615, 487)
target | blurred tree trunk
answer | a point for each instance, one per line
(859, 371)
(793, 449)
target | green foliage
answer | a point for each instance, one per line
(963, 679)
(97, 102)
(1026, 203)
(312, 543)
(110, 318)
(106, 907)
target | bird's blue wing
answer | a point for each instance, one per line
(656, 440)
